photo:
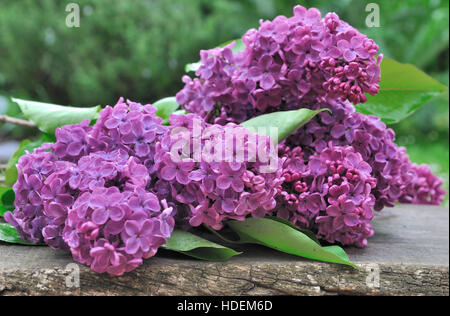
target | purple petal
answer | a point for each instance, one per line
(183, 177)
(168, 173)
(132, 228)
(132, 245)
(349, 55)
(145, 244)
(55, 210)
(255, 73)
(333, 210)
(197, 220)
(265, 62)
(237, 185)
(98, 201)
(362, 52)
(97, 252)
(267, 81)
(357, 41)
(228, 205)
(74, 149)
(112, 123)
(153, 204)
(197, 175)
(223, 182)
(142, 150)
(100, 216)
(338, 131)
(137, 128)
(147, 228)
(117, 213)
(343, 45)
(351, 220)
(129, 138)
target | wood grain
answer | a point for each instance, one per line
(408, 256)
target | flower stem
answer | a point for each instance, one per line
(16, 121)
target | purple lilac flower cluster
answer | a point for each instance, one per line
(217, 172)
(39, 212)
(330, 194)
(115, 222)
(91, 191)
(398, 179)
(422, 187)
(287, 62)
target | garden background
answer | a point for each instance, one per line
(138, 49)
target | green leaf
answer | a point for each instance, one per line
(48, 117)
(307, 232)
(7, 197)
(335, 249)
(338, 251)
(238, 47)
(283, 123)
(180, 112)
(276, 235)
(165, 107)
(403, 89)
(11, 168)
(197, 247)
(4, 209)
(25, 146)
(192, 67)
(10, 235)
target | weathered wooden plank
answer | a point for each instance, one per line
(408, 256)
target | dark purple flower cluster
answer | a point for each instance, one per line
(287, 61)
(115, 222)
(331, 194)
(422, 186)
(91, 191)
(217, 172)
(398, 180)
(40, 211)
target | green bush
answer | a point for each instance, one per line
(138, 48)
(135, 48)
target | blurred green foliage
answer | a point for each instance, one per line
(134, 48)
(138, 49)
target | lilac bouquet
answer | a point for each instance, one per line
(116, 186)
